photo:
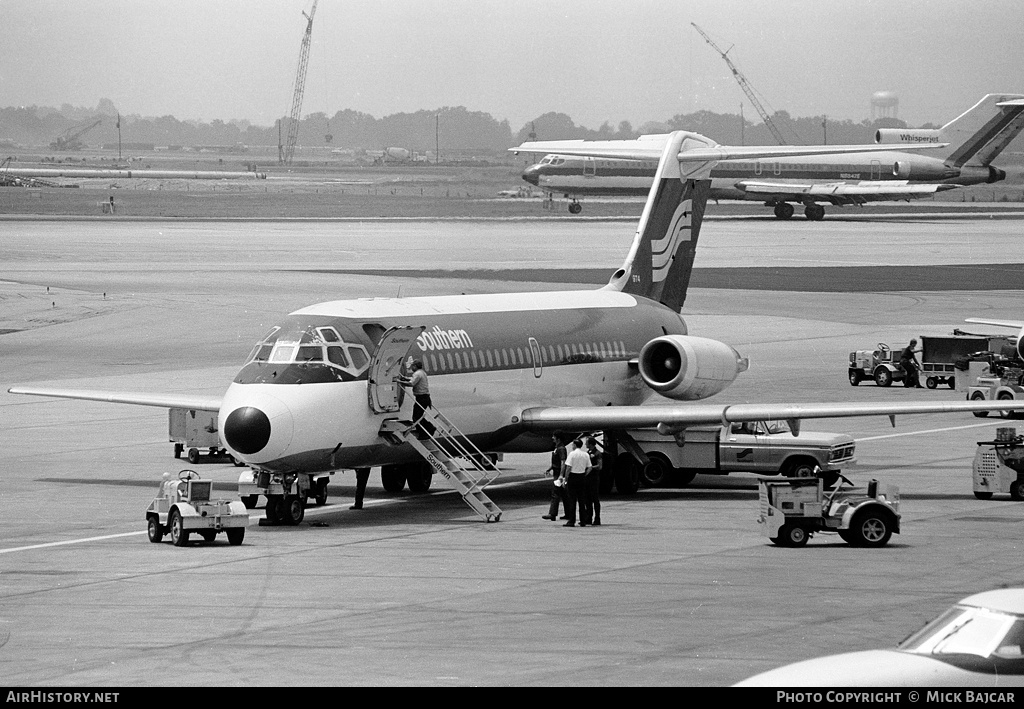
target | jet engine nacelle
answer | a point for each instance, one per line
(908, 135)
(689, 368)
(902, 169)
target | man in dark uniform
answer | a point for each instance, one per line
(908, 360)
(594, 480)
(558, 456)
(362, 476)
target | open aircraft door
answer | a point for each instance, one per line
(386, 365)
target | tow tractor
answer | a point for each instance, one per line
(792, 511)
(999, 465)
(184, 506)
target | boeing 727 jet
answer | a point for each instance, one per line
(319, 392)
(575, 168)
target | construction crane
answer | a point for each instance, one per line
(745, 85)
(285, 156)
(68, 140)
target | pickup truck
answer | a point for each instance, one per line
(765, 447)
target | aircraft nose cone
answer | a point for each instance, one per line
(532, 176)
(247, 430)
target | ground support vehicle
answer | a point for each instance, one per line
(792, 511)
(195, 431)
(999, 466)
(993, 378)
(183, 506)
(938, 358)
(286, 493)
(766, 447)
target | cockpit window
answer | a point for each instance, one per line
(314, 344)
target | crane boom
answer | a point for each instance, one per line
(300, 87)
(745, 85)
(68, 140)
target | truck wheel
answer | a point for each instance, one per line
(931, 382)
(978, 396)
(1017, 490)
(799, 468)
(792, 535)
(179, 535)
(392, 478)
(871, 528)
(983, 494)
(193, 455)
(294, 510)
(627, 474)
(684, 476)
(883, 377)
(235, 535)
(854, 377)
(156, 534)
(656, 472)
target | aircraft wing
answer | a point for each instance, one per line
(669, 417)
(1016, 324)
(842, 192)
(167, 401)
(643, 148)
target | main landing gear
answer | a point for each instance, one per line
(575, 207)
(813, 212)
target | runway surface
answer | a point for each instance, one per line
(678, 587)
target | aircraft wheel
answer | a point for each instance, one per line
(419, 478)
(321, 492)
(179, 535)
(392, 478)
(275, 508)
(153, 530)
(235, 535)
(783, 210)
(978, 396)
(814, 212)
(656, 472)
(575, 208)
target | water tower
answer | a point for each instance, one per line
(884, 104)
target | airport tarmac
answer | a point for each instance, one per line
(678, 587)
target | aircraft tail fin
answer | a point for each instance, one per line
(980, 134)
(975, 137)
(660, 260)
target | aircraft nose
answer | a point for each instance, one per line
(247, 430)
(532, 175)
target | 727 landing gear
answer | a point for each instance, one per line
(575, 207)
(814, 212)
(783, 210)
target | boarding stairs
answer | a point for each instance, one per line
(449, 452)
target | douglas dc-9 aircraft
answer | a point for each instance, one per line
(575, 168)
(318, 393)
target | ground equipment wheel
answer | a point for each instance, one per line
(208, 535)
(845, 535)
(294, 510)
(978, 396)
(883, 377)
(392, 478)
(854, 377)
(193, 455)
(627, 474)
(871, 528)
(179, 535)
(249, 501)
(153, 529)
(983, 494)
(1017, 490)
(1005, 396)
(235, 535)
(783, 210)
(321, 492)
(791, 535)
(931, 382)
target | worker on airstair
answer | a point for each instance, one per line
(421, 393)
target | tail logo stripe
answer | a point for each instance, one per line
(665, 248)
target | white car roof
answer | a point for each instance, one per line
(1007, 600)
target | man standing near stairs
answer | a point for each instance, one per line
(577, 463)
(557, 470)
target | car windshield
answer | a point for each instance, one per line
(971, 631)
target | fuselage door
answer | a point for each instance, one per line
(589, 167)
(538, 361)
(386, 365)
(876, 170)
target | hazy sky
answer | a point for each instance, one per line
(596, 60)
